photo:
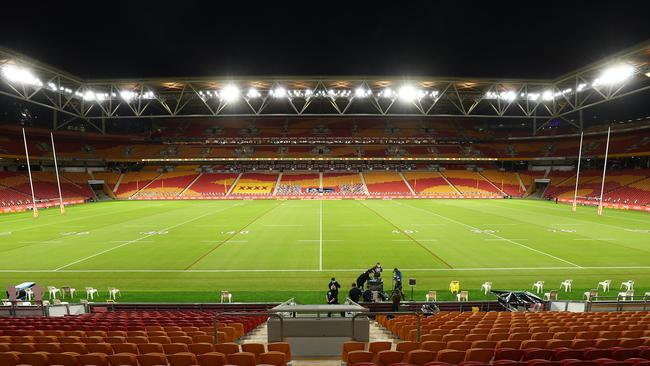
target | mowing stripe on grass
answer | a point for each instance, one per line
(308, 270)
(142, 238)
(408, 236)
(197, 260)
(494, 235)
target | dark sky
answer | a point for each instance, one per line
(188, 38)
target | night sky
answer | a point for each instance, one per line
(187, 38)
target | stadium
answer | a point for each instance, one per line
(220, 220)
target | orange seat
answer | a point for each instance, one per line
(181, 359)
(360, 356)
(433, 346)
(558, 343)
(242, 359)
(230, 333)
(125, 348)
(122, 359)
(69, 339)
(349, 347)
(160, 339)
(497, 337)
(92, 339)
(387, 358)
(484, 344)
(48, 347)
(376, 347)
(95, 333)
(459, 345)
(532, 344)
(172, 348)
(152, 359)
(430, 337)
(9, 358)
(255, 348)
(281, 347)
(45, 339)
(181, 339)
(420, 357)
(201, 348)
(204, 339)
(115, 339)
(483, 355)
(211, 359)
(582, 343)
(63, 358)
(274, 358)
(35, 359)
(104, 348)
(226, 348)
(150, 348)
(96, 359)
(450, 356)
(79, 348)
(23, 347)
(116, 333)
(407, 347)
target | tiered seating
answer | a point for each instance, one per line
(45, 187)
(134, 181)
(133, 338)
(429, 183)
(109, 178)
(379, 183)
(255, 184)
(344, 183)
(296, 183)
(528, 177)
(561, 181)
(168, 184)
(10, 197)
(80, 179)
(468, 182)
(505, 181)
(211, 185)
(454, 337)
(637, 193)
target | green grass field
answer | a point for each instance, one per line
(186, 251)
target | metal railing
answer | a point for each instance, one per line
(620, 301)
(417, 314)
(215, 323)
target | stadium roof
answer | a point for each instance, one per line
(622, 74)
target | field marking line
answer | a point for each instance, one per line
(597, 239)
(284, 225)
(126, 241)
(492, 234)
(418, 240)
(499, 239)
(236, 232)
(428, 224)
(40, 242)
(433, 254)
(320, 240)
(141, 238)
(320, 237)
(310, 270)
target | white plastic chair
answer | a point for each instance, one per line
(462, 296)
(605, 285)
(29, 293)
(538, 286)
(112, 293)
(590, 294)
(566, 284)
(629, 285)
(623, 296)
(225, 295)
(52, 291)
(551, 296)
(68, 290)
(431, 296)
(91, 292)
(486, 287)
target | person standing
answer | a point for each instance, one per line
(363, 278)
(355, 293)
(397, 277)
(335, 283)
(377, 270)
(396, 298)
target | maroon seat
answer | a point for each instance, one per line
(538, 354)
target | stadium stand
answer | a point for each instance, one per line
(344, 183)
(429, 183)
(296, 183)
(131, 182)
(379, 183)
(255, 184)
(170, 184)
(468, 182)
(109, 178)
(507, 182)
(210, 184)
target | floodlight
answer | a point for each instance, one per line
(508, 95)
(127, 95)
(52, 86)
(547, 95)
(408, 93)
(386, 93)
(361, 92)
(614, 75)
(252, 93)
(279, 92)
(20, 75)
(581, 86)
(230, 93)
